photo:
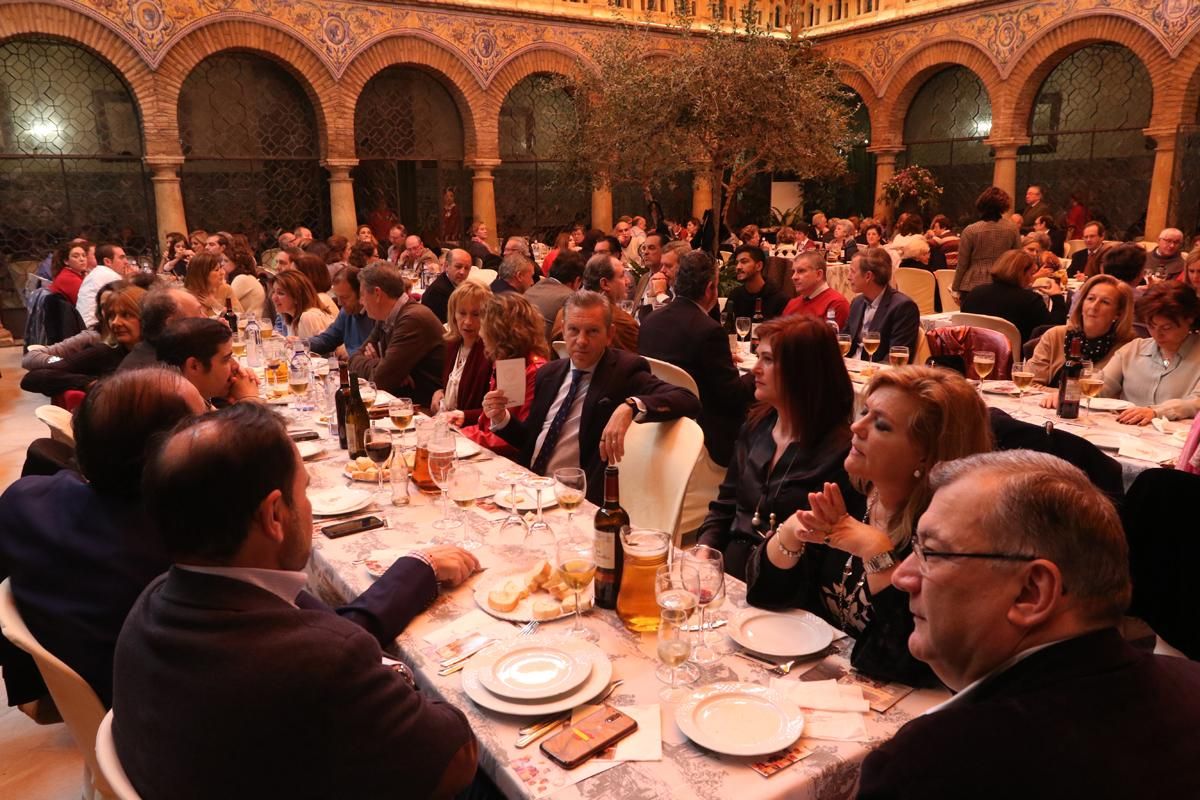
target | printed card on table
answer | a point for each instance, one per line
(780, 761)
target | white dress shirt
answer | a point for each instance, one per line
(868, 317)
(566, 452)
(93, 282)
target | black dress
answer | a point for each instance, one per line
(1024, 308)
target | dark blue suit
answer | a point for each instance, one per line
(897, 319)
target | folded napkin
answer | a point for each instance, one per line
(1133, 447)
(473, 621)
(828, 695)
(842, 726)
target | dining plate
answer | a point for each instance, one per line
(1001, 387)
(524, 609)
(1109, 404)
(1103, 440)
(740, 719)
(535, 667)
(526, 499)
(310, 448)
(336, 501)
(380, 561)
(780, 634)
(596, 683)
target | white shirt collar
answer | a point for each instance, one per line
(822, 287)
(284, 584)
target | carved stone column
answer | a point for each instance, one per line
(483, 194)
(1004, 169)
(341, 196)
(602, 208)
(168, 196)
(702, 194)
(1162, 179)
(885, 168)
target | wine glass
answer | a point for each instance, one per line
(379, 449)
(576, 561)
(464, 490)
(983, 361)
(512, 527)
(1090, 384)
(742, 326)
(673, 651)
(703, 571)
(898, 356)
(401, 412)
(441, 469)
(570, 487)
(870, 343)
(844, 341)
(674, 601)
(1022, 376)
(299, 376)
(538, 484)
(367, 391)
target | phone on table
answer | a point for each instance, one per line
(303, 436)
(352, 526)
(589, 737)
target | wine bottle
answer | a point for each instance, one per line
(230, 318)
(357, 421)
(341, 402)
(610, 556)
(755, 321)
(1068, 384)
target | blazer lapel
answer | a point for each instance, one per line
(597, 394)
(881, 313)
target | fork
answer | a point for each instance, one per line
(528, 630)
(770, 666)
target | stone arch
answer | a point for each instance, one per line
(1044, 54)
(910, 74)
(479, 127)
(251, 37)
(43, 20)
(529, 62)
(1181, 89)
(854, 78)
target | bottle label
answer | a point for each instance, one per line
(1071, 393)
(606, 550)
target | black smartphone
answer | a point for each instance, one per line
(303, 436)
(352, 526)
(589, 737)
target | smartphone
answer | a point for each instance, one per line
(352, 526)
(303, 436)
(589, 737)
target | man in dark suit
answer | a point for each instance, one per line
(682, 333)
(583, 405)
(566, 276)
(879, 307)
(1018, 580)
(224, 683)
(437, 296)
(404, 354)
(1086, 262)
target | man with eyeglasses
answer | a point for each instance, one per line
(1165, 260)
(1017, 582)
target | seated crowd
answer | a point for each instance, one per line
(892, 513)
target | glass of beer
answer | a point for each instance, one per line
(870, 343)
(570, 487)
(1090, 384)
(898, 356)
(1022, 377)
(575, 559)
(401, 412)
(239, 346)
(983, 361)
(844, 341)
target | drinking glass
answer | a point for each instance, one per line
(1022, 376)
(673, 651)
(400, 496)
(703, 571)
(441, 469)
(983, 361)
(539, 529)
(898, 356)
(870, 343)
(464, 490)
(676, 601)
(570, 487)
(367, 390)
(401, 412)
(626, 306)
(1090, 384)
(512, 528)
(844, 341)
(299, 378)
(742, 326)
(575, 559)
(379, 449)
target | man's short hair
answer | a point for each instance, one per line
(513, 265)
(1048, 508)
(349, 276)
(116, 422)
(662, 240)
(680, 249)
(1124, 262)
(876, 261)
(1099, 226)
(585, 300)
(814, 260)
(158, 307)
(383, 275)
(192, 338)
(755, 252)
(104, 251)
(568, 267)
(695, 272)
(240, 455)
(599, 267)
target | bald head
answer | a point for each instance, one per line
(458, 266)
(161, 307)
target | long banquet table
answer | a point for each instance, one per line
(337, 573)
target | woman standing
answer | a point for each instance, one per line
(296, 302)
(206, 280)
(466, 369)
(984, 241)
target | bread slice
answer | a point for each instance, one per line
(568, 604)
(540, 575)
(503, 599)
(546, 608)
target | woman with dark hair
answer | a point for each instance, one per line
(909, 228)
(365, 236)
(794, 440)
(561, 242)
(314, 268)
(176, 256)
(244, 281)
(296, 302)
(338, 254)
(985, 241)
(362, 254)
(68, 268)
(836, 559)
(1009, 297)
(466, 369)
(655, 221)
(206, 280)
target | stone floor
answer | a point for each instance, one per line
(37, 762)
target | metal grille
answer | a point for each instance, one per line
(249, 136)
(675, 198)
(1185, 194)
(1086, 136)
(70, 152)
(944, 132)
(852, 193)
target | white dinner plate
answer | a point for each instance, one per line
(1105, 441)
(524, 609)
(740, 719)
(310, 448)
(596, 683)
(336, 501)
(380, 561)
(1001, 387)
(780, 634)
(526, 499)
(1108, 404)
(534, 667)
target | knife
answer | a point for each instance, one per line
(711, 626)
(532, 733)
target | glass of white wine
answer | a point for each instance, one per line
(984, 362)
(674, 649)
(898, 356)
(1090, 384)
(464, 490)
(674, 598)
(870, 343)
(400, 411)
(575, 559)
(844, 341)
(1022, 377)
(570, 487)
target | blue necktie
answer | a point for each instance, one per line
(556, 426)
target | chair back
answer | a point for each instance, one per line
(110, 764)
(676, 376)
(658, 463)
(918, 284)
(560, 348)
(484, 277)
(1071, 246)
(1148, 246)
(963, 341)
(945, 280)
(778, 273)
(58, 420)
(998, 324)
(80, 707)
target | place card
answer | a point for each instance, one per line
(826, 695)
(842, 726)
(474, 621)
(781, 761)
(510, 379)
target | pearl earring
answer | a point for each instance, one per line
(916, 473)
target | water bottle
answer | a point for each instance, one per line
(254, 355)
(831, 320)
(329, 406)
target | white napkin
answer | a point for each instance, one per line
(644, 744)
(826, 695)
(473, 621)
(842, 726)
(1132, 447)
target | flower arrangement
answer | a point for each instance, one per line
(912, 184)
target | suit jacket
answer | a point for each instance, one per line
(501, 286)
(617, 376)
(1088, 263)
(222, 689)
(437, 296)
(411, 354)
(548, 296)
(687, 337)
(897, 319)
(1087, 717)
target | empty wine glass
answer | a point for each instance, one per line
(512, 528)
(570, 487)
(703, 571)
(539, 484)
(464, 490)
(441, 469)
(575, 559)
(742, 325)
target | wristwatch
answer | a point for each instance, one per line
(880, 562)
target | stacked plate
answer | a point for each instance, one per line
(337, 501)
(740, 719)
(536, 675)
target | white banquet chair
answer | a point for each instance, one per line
(58, 420)
(945, 280)
(110, 763)
(669, 373)
(658, 462)
(920, 285)
(483, 277)
(560, 348)
(997, 324)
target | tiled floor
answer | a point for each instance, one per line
(37, 762)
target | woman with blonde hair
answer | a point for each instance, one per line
(840, 566)
(512, 328)
(1103, 318)
(206, 280)
(296, 302)
(466, 369)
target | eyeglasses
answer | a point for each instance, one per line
(924, 555)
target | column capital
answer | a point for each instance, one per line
(164, 164)
(1164, 136)
(479, 165)
(1006, 143)
(339, 168)
(886, 149)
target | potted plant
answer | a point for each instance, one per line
(911, 189)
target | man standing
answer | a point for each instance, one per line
(583, 405)
(352, 326)
(755, 294)
(1035, 207)
(1088, 260)
(416, 257)
(404, 354)
(652, 254)
(225, 655)
(683, 333)
(515, 275)
(1017, 582)
(623, 230)
(549, 294)
(437, 296)
(813, 295)
(1164, 257)
(879, 307)
(112, 265)
(605, 274)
